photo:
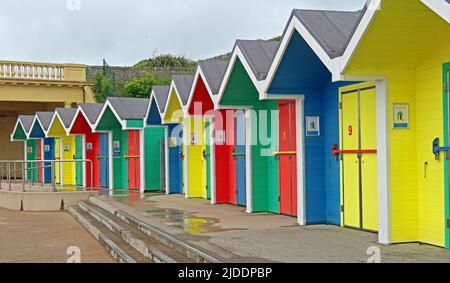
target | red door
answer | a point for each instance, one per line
(134, 165)
(288, 158)
(39, 157)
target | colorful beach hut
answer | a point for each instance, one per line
(45, 146)
(20, 134)
(65, 147)
(123, 119)
(174, 118)
(404, 116)
(256, 135)
(156, 137)
(83, 127)
(213, 164)
(308, 105)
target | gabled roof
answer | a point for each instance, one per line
(26, 121)
(259, 54)
(256, 56)
(45, 119)
(331, 29)
(327, 33)
(183, 85)
(129, 108)
(66, 116)
(91, 111)
(161, 95)
(214, 71)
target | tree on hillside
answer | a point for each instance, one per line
(103, 87)
(142, 87)
(167, 61)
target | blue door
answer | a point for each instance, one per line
(104, 160)
(240, 158)
(175, 160)
(49, 154)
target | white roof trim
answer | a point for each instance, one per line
(237, 53)
(56, 115)
(173, 88)
(36, 118)
(108, 104)
(15, 129)
(440, 7)
(199, 74)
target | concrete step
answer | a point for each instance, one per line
(147, 247)
(183, 248)
(118, 249)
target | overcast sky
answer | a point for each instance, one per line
(126, 31)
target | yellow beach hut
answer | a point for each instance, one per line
(64, 146)
(402, 50)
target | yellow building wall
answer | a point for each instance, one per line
(196, 164)
(410, 57)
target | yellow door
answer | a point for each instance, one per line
(350, 162)
(57, 158)
(196, 164)
(359, 158)
(369, 160)
(68, 167)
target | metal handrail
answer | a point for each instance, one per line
(25, 168)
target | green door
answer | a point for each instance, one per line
(154, 158)
(32, 174)
(208, 159)
(446, 79)
(79, 156)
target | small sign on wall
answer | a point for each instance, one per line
(66, 148)
(220, 137)
(312, 126)
(30, 149)
(47, 148)
(89, 146)
(116, 149)
(401, 116)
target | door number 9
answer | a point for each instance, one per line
(350, 130)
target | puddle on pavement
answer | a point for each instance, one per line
(132, 199)
(187, 221)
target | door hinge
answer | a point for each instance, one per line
(340, 105)
(447, 87)
(342, 208)
(448, 223)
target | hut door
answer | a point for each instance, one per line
(239, 156)
(287, 158)
(134, 159)
(49, 154)
(79, 156)
(175, 160)
(39, 157)
(207, 156)
(359, 159)
(104, 160)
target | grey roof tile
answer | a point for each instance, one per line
(259, 55)
(130, 108)
(184, 85)
(67, 115)
(214, 71)
(332, 29)
(161, 96)
(27, 122)
(92, 111)
(45, 118)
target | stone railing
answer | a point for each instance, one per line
(11, 70)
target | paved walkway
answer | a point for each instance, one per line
(228, 231)
(28, 237)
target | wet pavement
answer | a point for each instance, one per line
(236, 236)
